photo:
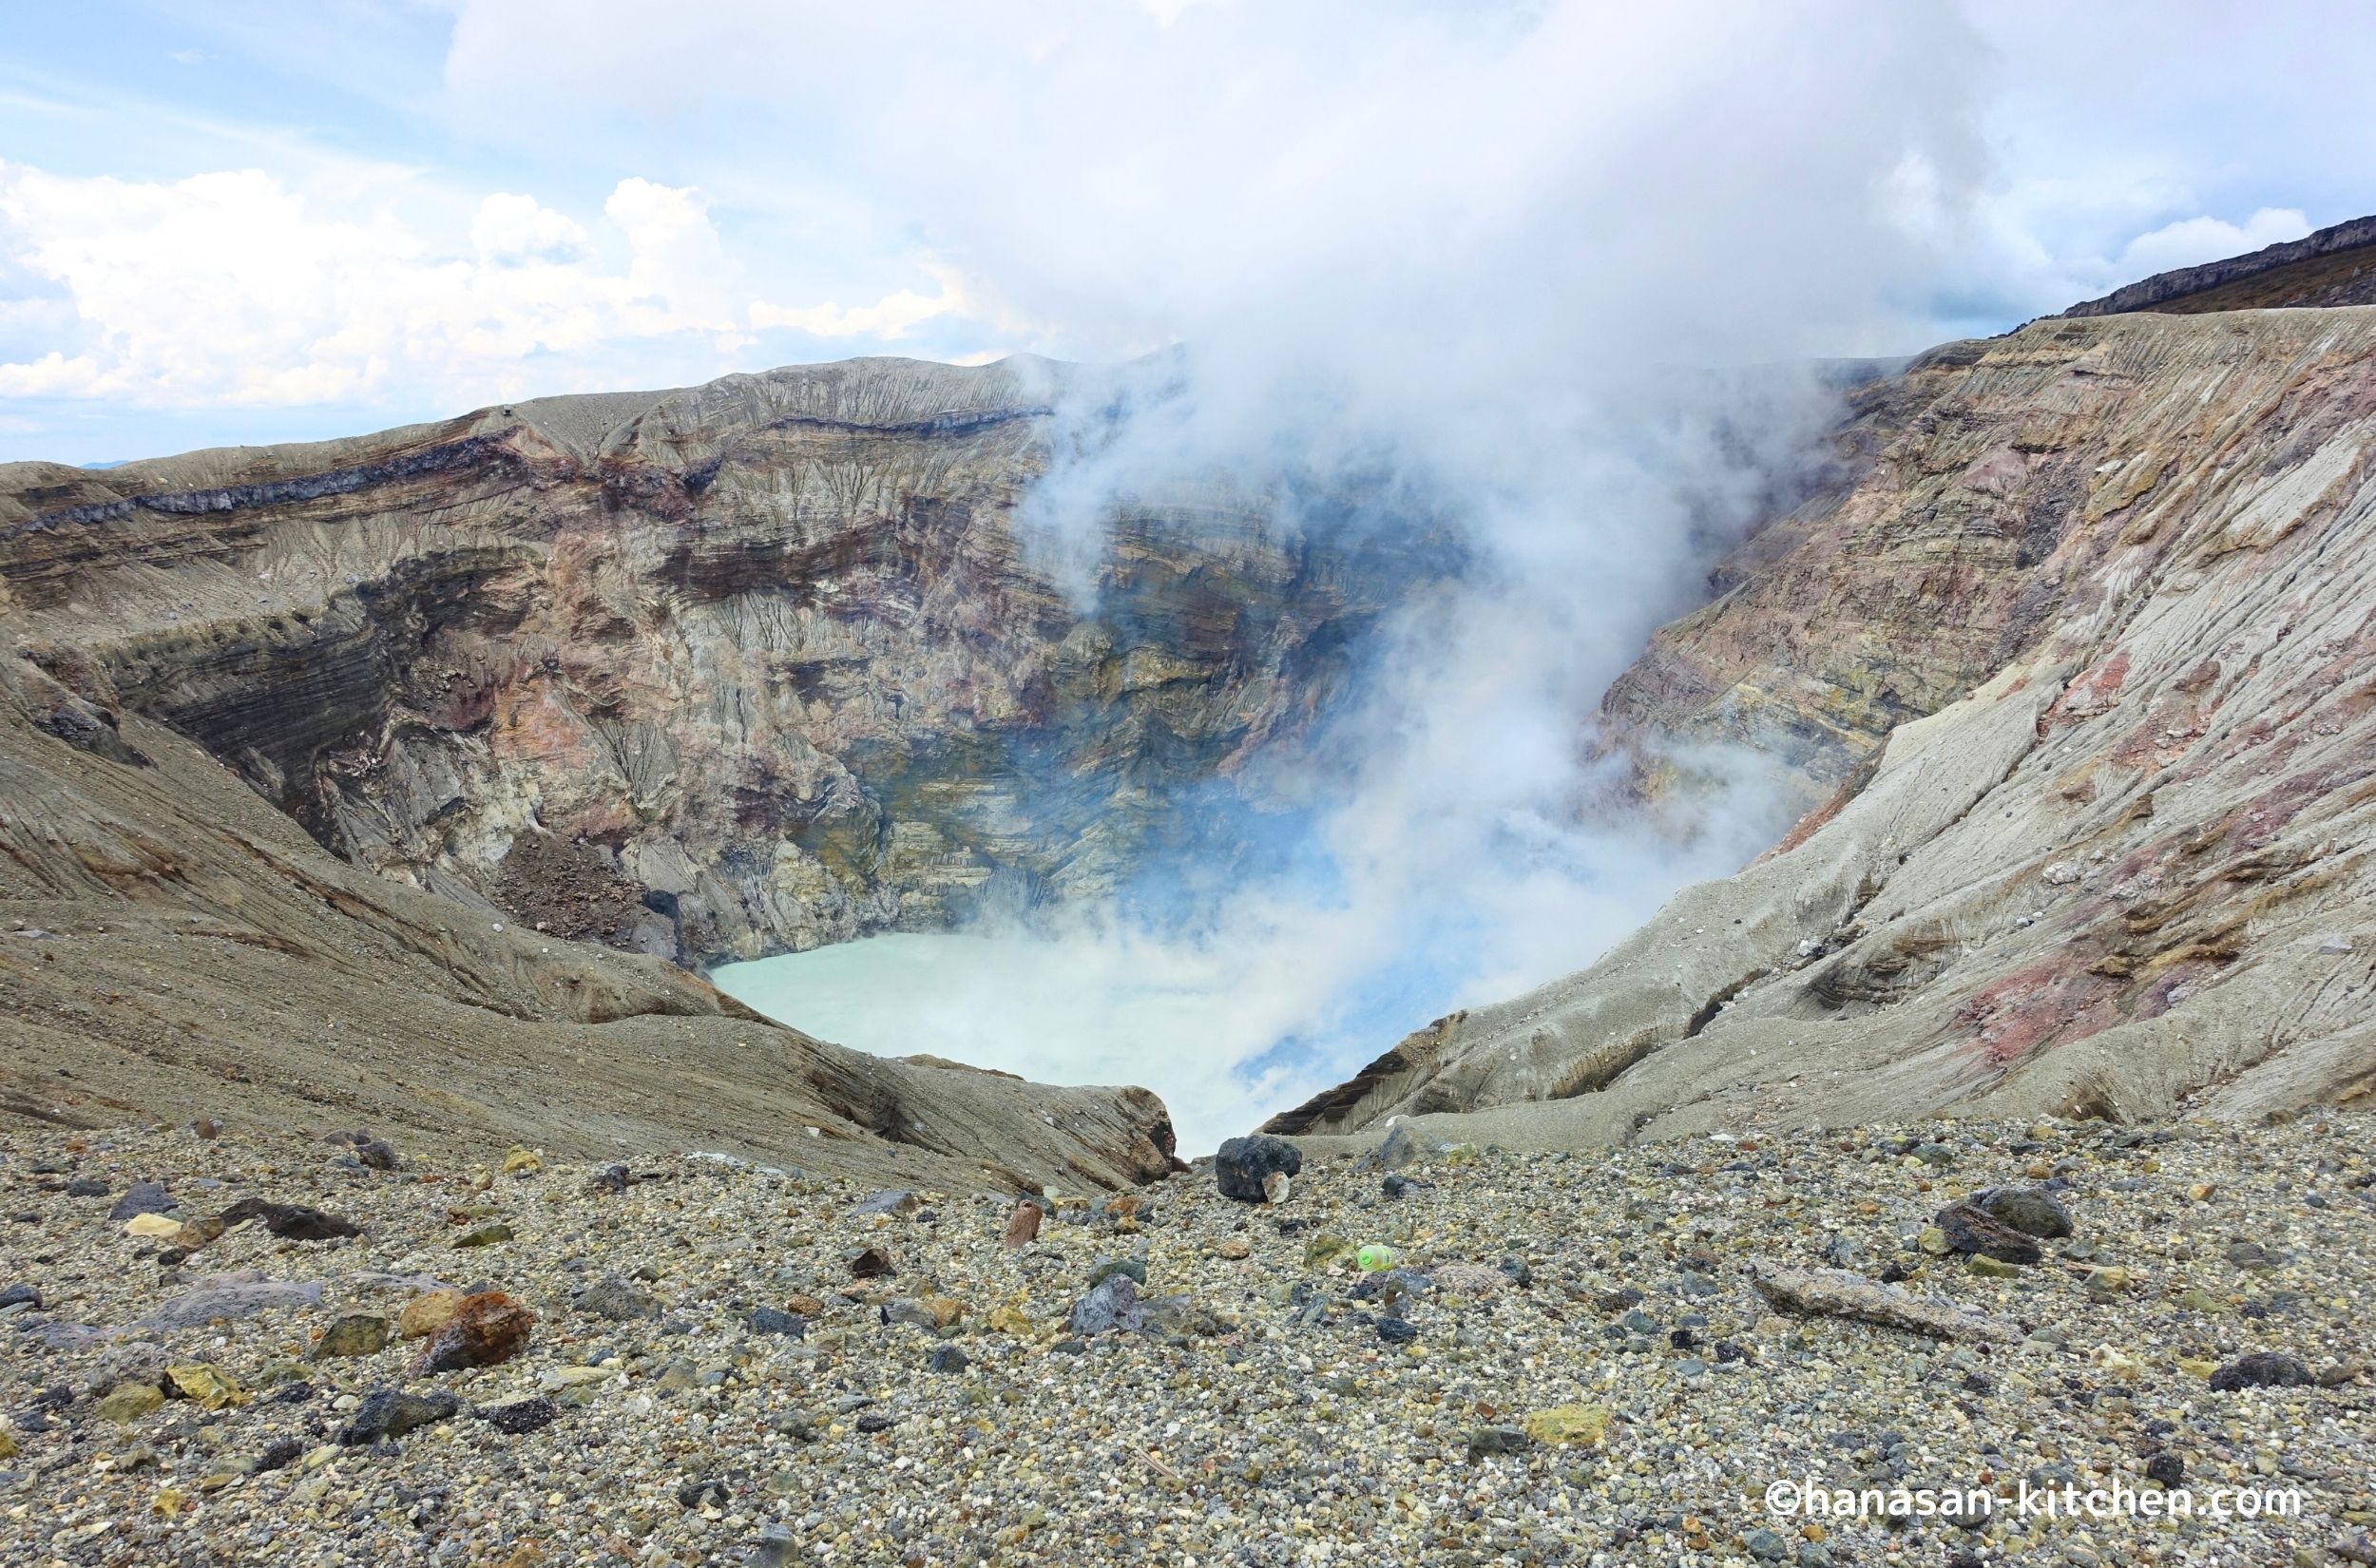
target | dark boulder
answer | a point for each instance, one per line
(613, 1298)
(288, 1221)
(703, 1493)
(1112, 1304)
(2032, 1211)
(869, 1263)
(521, 1416)
(1244, 1163)
(141, 1197)
(2261, 1369)
(1974, 1229)
(775, 1320)
(392, 1412)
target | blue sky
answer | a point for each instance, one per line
(243, 221)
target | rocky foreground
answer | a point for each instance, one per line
(1418, 1354)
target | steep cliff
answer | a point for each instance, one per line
(2082, 663)
(709, 673)
(172, 946)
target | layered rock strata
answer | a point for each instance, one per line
(712, 672)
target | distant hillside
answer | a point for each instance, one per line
(2335, 266)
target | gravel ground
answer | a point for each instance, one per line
(1564, 1359)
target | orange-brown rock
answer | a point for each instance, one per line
(425, 1313)
(485, 1328)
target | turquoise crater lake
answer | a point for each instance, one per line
(1054, 1011)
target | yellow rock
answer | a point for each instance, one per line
(128, 1401)
(2119, 1363)
(8, 1445)
(1326, 1251)
(945, 1310)
(521, 1161)
(2196, 1365)
(1570, 1425)
(1232, 1247)
(1009, 1320)
(152, 1225)
(1932, 1240)
(209, 1386)
(427, 1313)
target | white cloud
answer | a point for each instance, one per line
(891, 317)
(1129, 177)
(2036, 246)
(52, 376)
(679, 276)
(520, 228)
(239, 288)
(233, 288)
(2194, 240)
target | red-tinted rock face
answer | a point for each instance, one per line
(2076, 678)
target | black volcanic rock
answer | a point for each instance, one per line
(1243, 1163)
(2261, 1369)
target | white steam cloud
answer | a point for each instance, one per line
(1508, 258)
